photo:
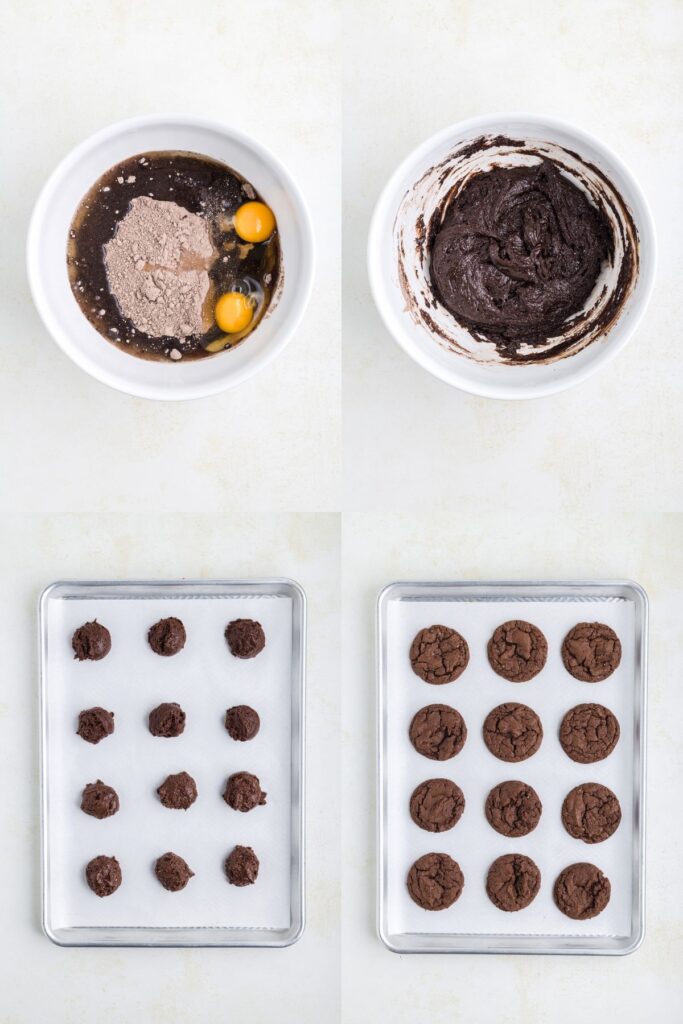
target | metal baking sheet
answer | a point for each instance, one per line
(205, 679)
(473, 923)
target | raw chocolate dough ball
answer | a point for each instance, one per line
(241, 866)
(94, 724)
(245, 638)
(438, 731)
(437, 805)
(178, 791)
(243, 792)
(591, 651)
(512, 882)
(167, 637)
(103, 875)
(513, 808)
(91, 642)
(517, 651)
(173, 872)
(513, 732)
(435, 881)
(589, 733)
(582, 891)
(167, 720)
(242, 722)
(591, 812)
(99, 800)
(439, 654)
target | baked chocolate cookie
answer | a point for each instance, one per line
(589, 733)
(435, 881)
(167, 637)
(513, 808)
(591, 651)
(517, 651)
(103, 875)
(582, 891)
(245, 638)
(591, 812)
(167, 720)
(242, 722)
(178, 791)
(241, 866)
(94, 724)
(438, 731)
(439, 654)
(91, 642)
(513, 732)
(243, 792)
(437, 805)
(99, 800)
(512, 882)
(173, 872)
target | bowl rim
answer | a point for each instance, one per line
(158, 391)
(386, 200)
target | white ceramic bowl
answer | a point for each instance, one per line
(398, 267)
(47, 271)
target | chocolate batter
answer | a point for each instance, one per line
(178, 791)
(99, 800)
(243, 792)
(517, 253)
(173, 872)
(245, 638)
(103, 875)
(91, 641)
(241, 866)
(242, 722)
(167, 637)
(95, 724)
(167, 720)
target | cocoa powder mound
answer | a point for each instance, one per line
(157, 265)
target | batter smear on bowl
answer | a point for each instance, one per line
(516, 254)
(173, 256)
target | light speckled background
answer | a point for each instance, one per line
(97, 484)
(442, 485)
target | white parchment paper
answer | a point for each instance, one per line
(205, 679)
(472, 842)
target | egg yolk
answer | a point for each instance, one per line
(254, 222)
(234, 312)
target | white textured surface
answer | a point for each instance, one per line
(96, 485)
(442, 485)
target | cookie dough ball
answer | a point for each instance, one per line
(178, 791)
(173, 872)
(513, 732)
(582, 891)
(439, 654)
(167, 637)
(512, 882)
(94, 724)
(591, 651)
(167, 720)
(437, 805)
(99, 800)
(435, 881)
(91, 642)
(242, 722)
(589, 733)
(241, 866)
(591, 812)
(438, 731)
(517, 651)
(245, 638)
(243, 792)
(513, 808)
(103, 875)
